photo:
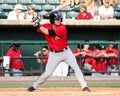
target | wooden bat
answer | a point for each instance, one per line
(58, 8)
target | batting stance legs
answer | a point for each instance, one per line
(54, 60)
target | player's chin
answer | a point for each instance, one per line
(57, 23)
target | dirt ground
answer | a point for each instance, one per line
(60, 92)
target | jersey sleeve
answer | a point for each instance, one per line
(44, 25)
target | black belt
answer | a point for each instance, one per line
(57, 51)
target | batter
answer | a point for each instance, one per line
(56, 36)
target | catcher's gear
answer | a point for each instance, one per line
(55, 15)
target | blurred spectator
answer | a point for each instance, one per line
(83, 14)
(17, 13)
(100, 2)
(45, 53)
(90, 6)
(16, 64)
(97, 4)
(72, 2)
(113, 2)
(112, 54)
(101, 60)
(106, 60)
(106, 11)
(88, 61)
(30, 14)
(88, 2)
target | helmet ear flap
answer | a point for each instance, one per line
(51, 17)
(52, 21)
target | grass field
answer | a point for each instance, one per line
(57, 84)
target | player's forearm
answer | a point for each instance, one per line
(44, 30)
(37, 54)
(77, 54)
(112, 55)
(100, 55)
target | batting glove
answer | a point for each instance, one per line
(37, 21)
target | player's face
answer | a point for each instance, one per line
(45, 51)
(111, 45)
(86, 46)
(57, 22)
(15, 48)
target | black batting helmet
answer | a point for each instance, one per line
(55, 15)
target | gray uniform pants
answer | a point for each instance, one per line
(54, 59)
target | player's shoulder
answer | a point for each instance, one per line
(62, 25)
(47, 24)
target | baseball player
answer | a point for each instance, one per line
(56, 36)
(16, 64)
(45, 53)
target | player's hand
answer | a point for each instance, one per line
(36, 21)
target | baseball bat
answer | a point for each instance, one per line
(58, 8)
